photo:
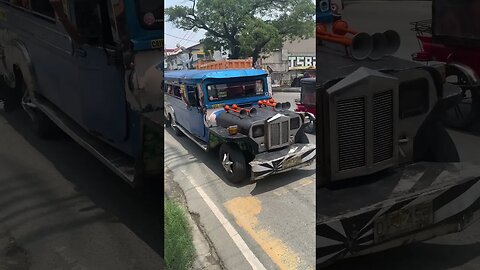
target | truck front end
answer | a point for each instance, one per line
(269, 135)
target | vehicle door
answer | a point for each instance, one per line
(50, 50)
(100, 74)
(196, 112)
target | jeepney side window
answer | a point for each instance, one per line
(22, 3)
(192, 95)
(42, 6)
(176, 91)
(169, 89)
(93, 22)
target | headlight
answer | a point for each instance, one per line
(294, 123)
(258, 131)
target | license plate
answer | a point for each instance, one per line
(403, 221)
(291, 162)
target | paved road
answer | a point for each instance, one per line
(60, 208)
(273, 217)
(456, 251)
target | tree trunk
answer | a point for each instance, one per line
(234, 49)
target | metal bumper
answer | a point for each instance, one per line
(429, 200)
(293, 157)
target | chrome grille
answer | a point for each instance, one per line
(382, 126)
(351, 133)
(274, 134)
(278, 133)
(285, 132)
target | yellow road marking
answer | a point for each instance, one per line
(245, 211)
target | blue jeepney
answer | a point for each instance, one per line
(232, 111)
(92, 68)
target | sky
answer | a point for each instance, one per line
(174, 36)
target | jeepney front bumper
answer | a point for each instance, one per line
(293, 157)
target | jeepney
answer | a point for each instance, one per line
(232, 111)
(92, 69)
(389, 173)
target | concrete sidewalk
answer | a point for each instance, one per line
(286, 89)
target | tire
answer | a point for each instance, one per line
(310, 128)
(463, 114)
(239, 168)
(301, 137)
(167, 121)
(435, 145)
(43, 126)
(12, 97)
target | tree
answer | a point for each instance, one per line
(248, 28)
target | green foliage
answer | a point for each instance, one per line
(179, 252)
(246, 27)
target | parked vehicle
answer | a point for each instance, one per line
(231, 111)
(93, 69)
(455, 39)
(307, 102)
(389, 173)
(329, 10)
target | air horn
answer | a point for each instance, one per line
(239, 110)
(360, 46)
(276, 105)
(386, 43)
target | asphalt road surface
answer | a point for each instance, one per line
(60, 208)
(269, 224)
(456, 251)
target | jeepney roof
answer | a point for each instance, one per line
(312, 80)
(335, 64)
(213, 74)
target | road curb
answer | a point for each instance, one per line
(206, 256)
(286, 90)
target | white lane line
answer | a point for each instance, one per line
(237, 239)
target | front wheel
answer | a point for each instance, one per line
(464, 113)
(234, 163)
(301, 137)
(174, 127)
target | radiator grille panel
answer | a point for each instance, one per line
(285, 132)
(351, 133)
(274, 134)
(382, 126)
(279, 133)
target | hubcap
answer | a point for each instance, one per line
(227, 163)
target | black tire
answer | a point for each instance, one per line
(239, 168)
(12, 97)
(167, 121)
(463, 114)
(310, 127)
(301, 137)
(43, 126)
(434, 144)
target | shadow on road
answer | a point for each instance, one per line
(425, 256)
(140, 210)
(210, 159)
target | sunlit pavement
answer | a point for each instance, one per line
(60, 208)
(274, 217)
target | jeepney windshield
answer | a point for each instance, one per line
(308, 95)
(150, 14)
(235, 90)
